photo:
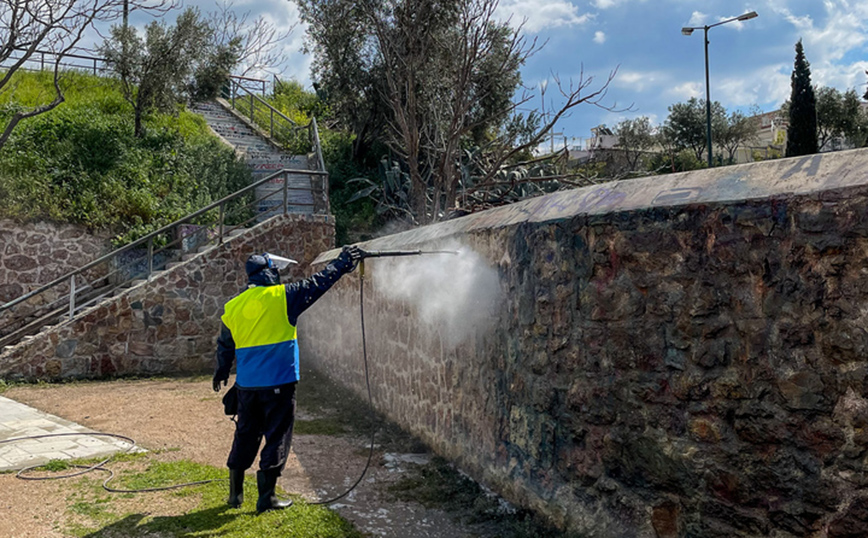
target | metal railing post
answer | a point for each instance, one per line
(150, 256)
(220, 232)
(285, 191)
(251, 108)
(71, 296)
(272, 122)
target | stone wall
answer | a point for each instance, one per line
(678, 356)
(170, 323)
(34, 254)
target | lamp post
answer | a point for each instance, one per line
(688, 30)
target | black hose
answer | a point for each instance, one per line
(22, 474)
(367, 383)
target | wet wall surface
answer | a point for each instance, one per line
(673, 356)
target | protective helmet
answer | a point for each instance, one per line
(264, 269)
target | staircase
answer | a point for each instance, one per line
(283, 184)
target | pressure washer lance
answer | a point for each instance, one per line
(373, 254)
(390, 253)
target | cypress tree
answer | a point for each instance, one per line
(802, 131)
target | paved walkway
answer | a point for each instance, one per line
(19, 420)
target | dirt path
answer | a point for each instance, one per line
(184, 418)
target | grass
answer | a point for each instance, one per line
(319, 426)
(199, 511)
(81, 162)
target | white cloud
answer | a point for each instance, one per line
(537, 15)
(845, 29)
(599, 37)
(687, 90)
(606, 4)
(639, 81)
(763, 84)
(697, 19)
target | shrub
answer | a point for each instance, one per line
(82, 163)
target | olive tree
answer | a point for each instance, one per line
(155, 70)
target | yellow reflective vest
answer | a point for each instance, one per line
(266, 349)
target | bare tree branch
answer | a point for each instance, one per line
(53, 28)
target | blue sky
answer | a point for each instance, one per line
(750, 62)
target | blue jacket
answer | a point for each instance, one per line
(274, 365)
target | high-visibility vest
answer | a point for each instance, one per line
(266, 349)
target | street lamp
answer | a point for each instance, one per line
(688, 30)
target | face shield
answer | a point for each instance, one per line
(278, 262)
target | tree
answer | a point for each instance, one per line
(687, 124)
(155, 72)
(839, 116)
(346, 70)
(430, 78)
(55, 28)
(855, 125)
(256, 43)
(737, 130)
(830, 115)
(635, 138)
(802, 131)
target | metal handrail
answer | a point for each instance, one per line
(39, 56)
(18, 326)
(163, 230)
(238, 92)
(235, 86)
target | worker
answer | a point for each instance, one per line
(259, 331)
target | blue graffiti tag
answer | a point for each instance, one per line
(812, 169)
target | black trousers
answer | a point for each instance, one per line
(268, 413)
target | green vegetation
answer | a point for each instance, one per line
(56, 465)
(205, 513)
(802, 130)
(82, 162)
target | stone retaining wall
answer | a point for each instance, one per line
(34, 254)
(169, 324)
(678, 356)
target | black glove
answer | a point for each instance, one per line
(217, 380)
(349, 258)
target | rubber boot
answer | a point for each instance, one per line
(236, 488)
(268, 500)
